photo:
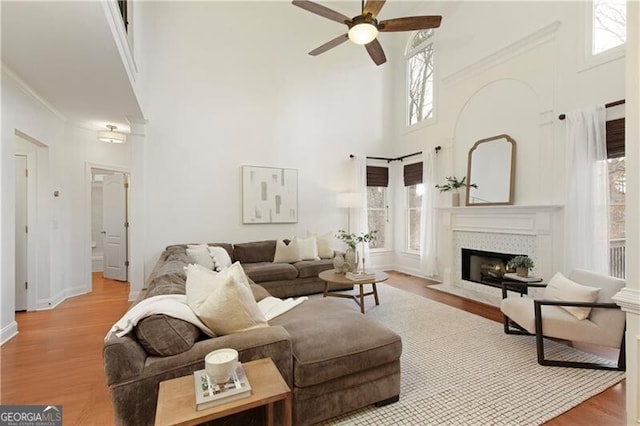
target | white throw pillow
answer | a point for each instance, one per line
(308, 248)
(221, 257)
(223, 301)
(199, 254)
(325, 244)
(287, 253)
(200, 282)
(563, 289)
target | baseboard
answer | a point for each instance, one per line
(8, 332)
(134, 295)
(414, 272)
(97, 262)
(45, 304)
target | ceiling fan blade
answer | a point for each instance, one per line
(375, 51)
(373, 7)
(323, 11)
(410, 23)
(329, 45)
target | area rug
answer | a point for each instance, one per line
(461, 369)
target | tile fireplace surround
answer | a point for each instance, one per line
(536, 231)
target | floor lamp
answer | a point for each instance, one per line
(348, 200)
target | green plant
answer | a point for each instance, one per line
(453, 184)
(520, 262)
(351, 240)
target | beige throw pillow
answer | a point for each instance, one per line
(223, 301)
(308, 248)
(563, 289)
(287, 253)
(199, 253)
(325, 244)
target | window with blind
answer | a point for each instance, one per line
(377, 206)
(413, 204)
(617, 192)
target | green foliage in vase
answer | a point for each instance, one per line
(351, 240)
(453, 183)
(520, 262)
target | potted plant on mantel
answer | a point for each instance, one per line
(454, 185)
(522, 264)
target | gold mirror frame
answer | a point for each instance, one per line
(479, 179)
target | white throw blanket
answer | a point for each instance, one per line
(271, 307)
(175, 305)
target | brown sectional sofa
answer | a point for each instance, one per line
(333, 358)
(279, 279)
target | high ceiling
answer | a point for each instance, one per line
(66, 53)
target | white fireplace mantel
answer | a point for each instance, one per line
(524, 220)
(536, 230)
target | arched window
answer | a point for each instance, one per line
(419, 58)
(609, 25)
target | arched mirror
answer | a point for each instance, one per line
(491, 168)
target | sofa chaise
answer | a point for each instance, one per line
(333, 358)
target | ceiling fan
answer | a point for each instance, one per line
(364, 28)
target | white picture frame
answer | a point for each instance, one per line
(269, 195)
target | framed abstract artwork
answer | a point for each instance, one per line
(269, 195)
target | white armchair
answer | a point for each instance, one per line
(605, 324)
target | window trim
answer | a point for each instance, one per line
(407, 54)
(588, 59)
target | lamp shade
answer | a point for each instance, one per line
(348, 200)
(363, 33)
(110, 136)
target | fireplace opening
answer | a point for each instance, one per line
(485, 267)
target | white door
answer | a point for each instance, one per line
(21, 232)
(114, 217)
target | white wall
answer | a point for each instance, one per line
(62, 235)
(22, 112)
(513, 71)
(83, 151)
(226, 88)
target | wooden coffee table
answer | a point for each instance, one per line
(177, 399)
(333, 277)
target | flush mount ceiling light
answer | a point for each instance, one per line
(110, 136)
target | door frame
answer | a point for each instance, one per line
(32, 235)
(87, 215)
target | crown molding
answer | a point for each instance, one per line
(31, 93)
(119, 32)
(541, 36)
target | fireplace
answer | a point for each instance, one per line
(485, 267)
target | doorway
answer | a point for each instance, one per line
(109, 223)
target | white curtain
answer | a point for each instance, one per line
(359, 214)
(587, 204)
(428, 258)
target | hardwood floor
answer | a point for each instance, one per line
(57, 357)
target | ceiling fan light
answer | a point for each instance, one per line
(363, 33)
(110, 136)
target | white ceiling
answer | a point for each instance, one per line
(66, 53)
